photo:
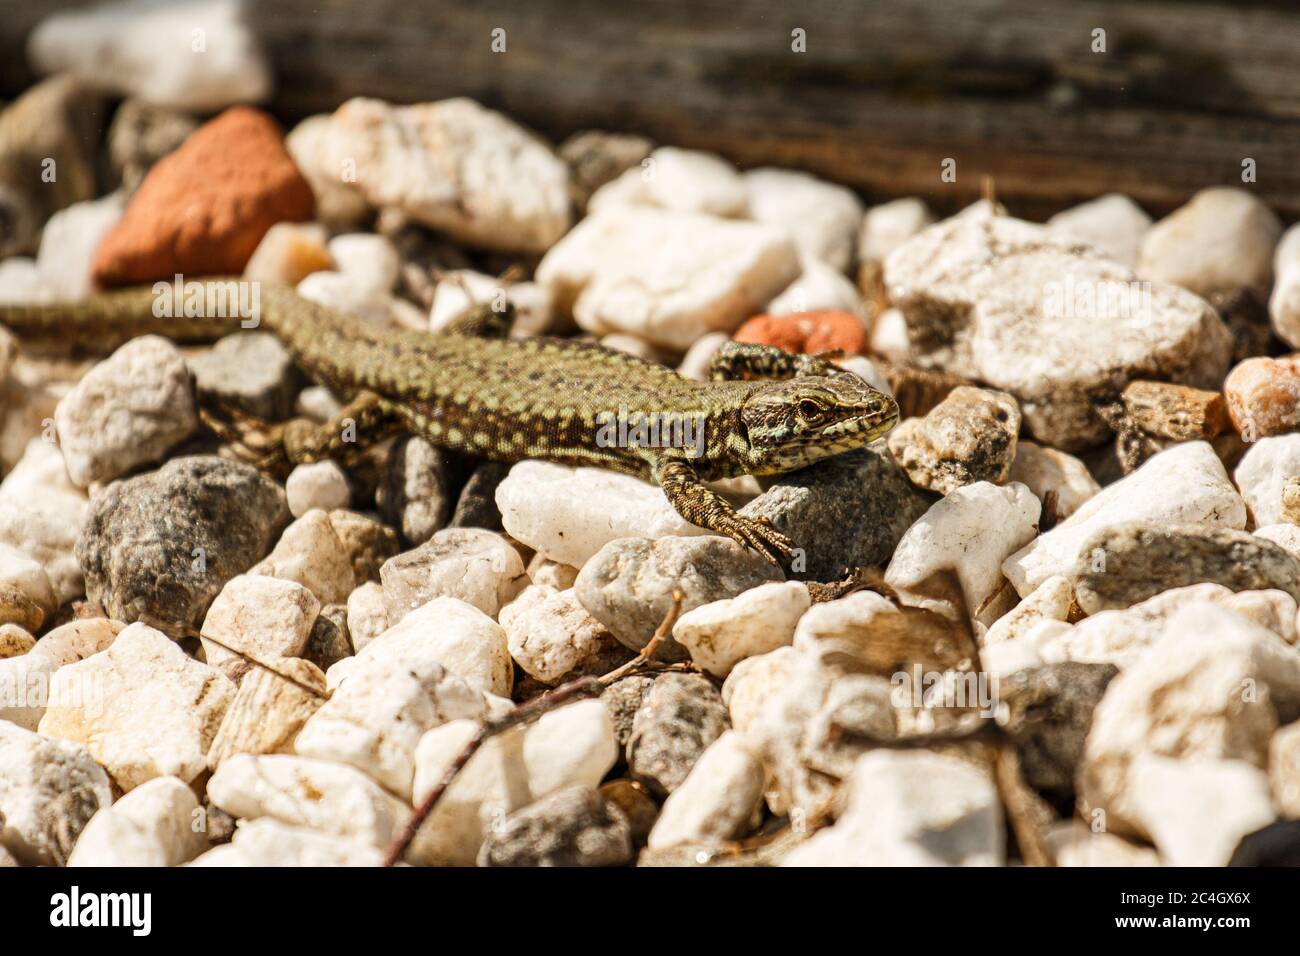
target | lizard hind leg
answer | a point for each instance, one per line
(702, 506)
(278, 446)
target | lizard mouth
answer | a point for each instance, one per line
(862, 429)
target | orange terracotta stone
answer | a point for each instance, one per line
(203, 209)
(1264, 396)
(807, 332)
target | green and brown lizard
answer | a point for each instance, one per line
(475, 390)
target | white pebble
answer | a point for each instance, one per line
(321, 484)
(723, 633)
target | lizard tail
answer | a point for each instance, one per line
(191, 311)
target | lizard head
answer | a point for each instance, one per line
(794, 423)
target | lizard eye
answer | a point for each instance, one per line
(809, 409)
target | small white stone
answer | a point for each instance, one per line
(19, 571)
(69, 242)
(384, 703)
(1284, 769)
(460, 290)
(1284, 303)
(1220, 241)
(153, 825)
(315, 794)
(145, 49)
(1197, 811)
(368, 259)
(454, 165)
(1072, 844)
(722, 633)
(888, 226)
(1050, 601)
(320, 484)
(823, 219)
(889, 337)
(78, 640)
(142, 707)
(264, 617)
(42, 514)
(970, 532)
(288, 253)
(1183, 485)
(127, 410)
(1209, 689)
(367, 614)
(338, 202)
(819, 287)
(573, 745)
(1046, 470)
(667, 277)
(550, 634)
(25, 679)
(317, 403)
(267, 842)
(311, 553)
(49, 789)
(681, 180)
(474, 565)
(1120, 637)
(1262, 472)
(753, 681)
(569, 514)
(911, 809)
(21, 283)
(1112, 223)
(718, 799)
(458, 636)
(269, 709)
(355, 296)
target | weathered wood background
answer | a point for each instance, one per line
(885, 92)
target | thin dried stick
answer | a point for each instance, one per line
(582, 687)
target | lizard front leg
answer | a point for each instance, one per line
(702, 506)
(736, 361)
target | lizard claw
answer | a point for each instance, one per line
(758, 533)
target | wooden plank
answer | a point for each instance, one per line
(885, 92)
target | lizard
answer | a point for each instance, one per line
(474, 389)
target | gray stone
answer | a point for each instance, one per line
(49, 790)
(250, 371)
(415, 494)
(329, 642)
(679, 718)
(477, 505)
(140, 135)
(56, 121)
(846, 512)
(623, 699)
(595, 157)
(970, 436)
(628, 585)
(575, 826)
(1048, 715)
(160, 546)
(1127, 563)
